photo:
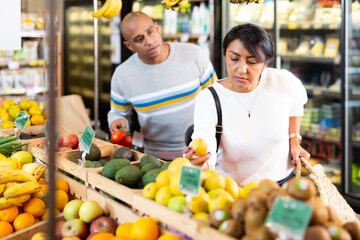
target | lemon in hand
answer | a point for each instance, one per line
(200, 146)
(23, 157)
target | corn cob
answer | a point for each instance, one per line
(16, 201)
(38, 172)
(21, 189)
(15, 176)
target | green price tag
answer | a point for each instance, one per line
(86, 139)
(289, 218)
(190, 180)
(21, 120)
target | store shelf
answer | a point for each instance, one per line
(311, 59)
(180, 35)
(18, 64)
(309, 26)
(22, 91)
(326, 92)
(33, 33)
(327, 137)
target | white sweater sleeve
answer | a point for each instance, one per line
(205, 120)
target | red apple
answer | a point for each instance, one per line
(103, 224)
(74, 228)
(69, 140)
(58, 227)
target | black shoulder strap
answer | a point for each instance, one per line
(219, 114)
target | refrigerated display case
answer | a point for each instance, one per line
(351, 100)
(79, 56)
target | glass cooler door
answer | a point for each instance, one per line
(352, 99)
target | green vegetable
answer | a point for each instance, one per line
(9, 144)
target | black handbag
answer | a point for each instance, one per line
(218, 127)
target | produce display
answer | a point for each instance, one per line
(10, 110)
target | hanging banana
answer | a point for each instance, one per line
(174, 4)
(245, 1)
(110, 9)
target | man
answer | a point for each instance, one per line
(160, 81)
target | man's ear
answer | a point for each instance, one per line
(127, 44)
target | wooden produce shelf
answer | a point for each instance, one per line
(32, 130)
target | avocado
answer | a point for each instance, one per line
(147, 167)
(94, 153)
(111, 167)
(89, 164)
(129, 176)
(165, 165)
(150, 176)
(124, 152)
(97, 164)
(103, 162)
(149, 158)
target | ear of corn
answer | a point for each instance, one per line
(11, 202)
(21, 189)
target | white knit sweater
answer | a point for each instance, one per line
(255, 148)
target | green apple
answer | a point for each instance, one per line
(177, 203)
(90, 210)
(71, 209)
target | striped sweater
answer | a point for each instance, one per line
(163, 95)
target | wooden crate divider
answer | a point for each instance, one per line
(32, 130)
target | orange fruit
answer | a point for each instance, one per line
(61, 199)
(23, 220)
(123, 230)
(35, 206)
(35, 110)
(33, 103)
(24, 104)
(5, 116)
(61, 184)
(144, 228)
(37, 120)
(46, 214)
(28, 123)
(9, 214)
(119, 238)
(102, 236)
(9, 103)
(6, 229)
(169, 237)
(37, 220)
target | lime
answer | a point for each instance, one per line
(150, 190)
(177, 203)
(162, 179)
(200, 146)
(163, 195)
(23, 157)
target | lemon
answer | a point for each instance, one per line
(176, 164)
(150, 190)
(23, 157)
(223, 200)
(2, 157)
(215, 192)
(40, 236)
(231, 187)
(3, 111)
(7, 124)
(201, 216)
(24, 104)
(9, 103)
(215, 181)
(15, 164)
(162, 179)
(163, 195)
(248, 187)
(241, 192)
(204, 175)
(174, 184)
(199, 203)
(200, 146)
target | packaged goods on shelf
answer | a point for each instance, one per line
(7, 78)
(30, 49)
(331, 47)
(301, 11)
(317, 46)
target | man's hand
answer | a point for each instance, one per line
(116, 124)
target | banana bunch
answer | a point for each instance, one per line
(246, 1)
(173, 4)
(110, 9)
(35, 169)
(16, 187)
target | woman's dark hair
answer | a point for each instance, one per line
(254, 39)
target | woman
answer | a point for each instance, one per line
(261, 112)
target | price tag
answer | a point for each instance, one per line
(289, 218)
(21, 120)
(190, 180)
(86, 139)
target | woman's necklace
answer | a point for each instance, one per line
(253, 100)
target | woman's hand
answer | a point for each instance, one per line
(189, 153)
(297, 151)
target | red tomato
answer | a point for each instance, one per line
(118, 137)
(128, 141)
